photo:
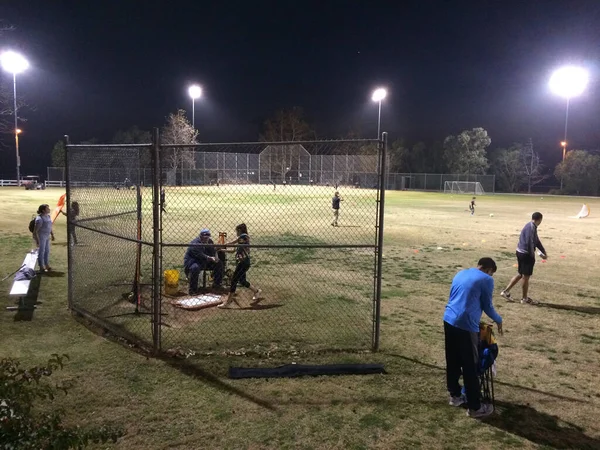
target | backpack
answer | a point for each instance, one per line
(32, 225)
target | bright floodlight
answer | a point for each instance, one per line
(379, 94)
(195, 91)
(569, 82)
(13, 62)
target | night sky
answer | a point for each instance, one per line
(99, 66)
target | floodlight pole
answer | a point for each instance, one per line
(193, 113)
(379, 122)
(564, 146)
(16, 129)
(566, 124)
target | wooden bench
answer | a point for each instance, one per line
(21, 287)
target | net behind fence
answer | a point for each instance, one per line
(316, 269)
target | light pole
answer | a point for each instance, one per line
(195, 92)
(15, 63)
(378, 96)
(568, 82)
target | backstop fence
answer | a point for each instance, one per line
(246, 168)
(141, 207)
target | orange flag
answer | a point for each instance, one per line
(59, 206)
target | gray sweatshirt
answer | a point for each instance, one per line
(529, 241)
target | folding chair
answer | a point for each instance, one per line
(488, 352)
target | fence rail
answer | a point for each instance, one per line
(9, 183)
(243, 168)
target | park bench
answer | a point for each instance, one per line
(20, 288)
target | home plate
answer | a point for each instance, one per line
(199, 302)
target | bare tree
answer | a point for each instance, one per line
(178, 130)
(532, 166)
(286, 126)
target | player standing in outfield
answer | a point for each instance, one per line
(528, 242)
(335, 205)
(472, 206)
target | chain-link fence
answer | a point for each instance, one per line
(139, 268)
(211, 168)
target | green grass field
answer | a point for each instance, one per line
(547, 391)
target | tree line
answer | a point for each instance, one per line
(517, 168)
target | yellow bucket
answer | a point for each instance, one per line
(171, 281)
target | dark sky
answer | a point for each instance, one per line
(99, 66)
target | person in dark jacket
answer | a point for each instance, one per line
(528, 242)
(202, 255)
(335, 206)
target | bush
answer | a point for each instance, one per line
(556, 192)
(23, 427)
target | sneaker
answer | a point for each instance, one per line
(256, 296)
(485, 410)
(457, 401)
(507, 296)
(528, 301)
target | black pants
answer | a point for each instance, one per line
(461, 358)
(239, 275)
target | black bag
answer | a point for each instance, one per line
(32, 225)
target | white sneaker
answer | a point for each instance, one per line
(528, 301)
(507, 296)
(485, 410)
(257, 295)
(457, 401)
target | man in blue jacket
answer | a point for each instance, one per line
(528, 242)
(470, 295)
(202, 255)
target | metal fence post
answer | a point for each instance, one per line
(69, 228)
(379, 247)
(156, 243)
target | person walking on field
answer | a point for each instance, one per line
(528, 242)
(242, 257)
(42, 233)
(335, 205)
(470, 295)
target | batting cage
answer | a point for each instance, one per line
(182, 254)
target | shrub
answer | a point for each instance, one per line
(22, 426)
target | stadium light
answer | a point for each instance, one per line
(195, 92)
(568, 82)
(15, 63)
(378, 96)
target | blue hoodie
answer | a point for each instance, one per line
(470, 294)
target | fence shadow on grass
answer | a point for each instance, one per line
(194, 371)
(581, 309)
(540, 428)
(502, 383)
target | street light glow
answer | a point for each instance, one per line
(195, 91)
(563, 143)
(569, 81)
(379, 95)
(19, 131)
(13, 62)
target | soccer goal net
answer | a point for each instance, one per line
(463, 187)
